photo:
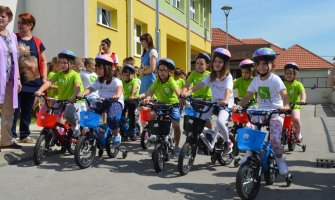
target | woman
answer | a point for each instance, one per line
(33, 72)
(148, 62)
(9, 78)
(104, 49)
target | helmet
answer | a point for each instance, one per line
(246, 64)
(128, 67)
(264, 53)
(222, 53)
(168, 62)
(67, 54)
(291, 65)
(204, 56)
(104, 59)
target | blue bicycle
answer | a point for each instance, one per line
(262, 157)
(99, 136)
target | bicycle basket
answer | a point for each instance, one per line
(250, 139)
(240, 117)
(89, 119)
(193, 124)
(145, 114)
(287, 122)
(159, 127)
(191, 112)
(46, 120)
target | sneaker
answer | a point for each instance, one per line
(27, 140)
(153, 138)
(76, 132)
(298, 137)
(282, 167)
(228, 147)
(176, 151)
(117, 140)
(12, 146)
(245, 157)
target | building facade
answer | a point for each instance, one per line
(179, 28)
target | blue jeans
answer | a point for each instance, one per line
(25, 108)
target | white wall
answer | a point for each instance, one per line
(59, 24)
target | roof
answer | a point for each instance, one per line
(303, 57)
(219, 38)
(277, 49)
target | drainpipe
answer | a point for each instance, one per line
(130, 27)
(158, 38)
(188, 42)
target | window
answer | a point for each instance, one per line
(176, 3)
(104, 17)
(192, 9)
(138, 32)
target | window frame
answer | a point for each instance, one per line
(108, 18)
(137, 39)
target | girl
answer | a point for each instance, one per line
(220, 82)
(271, 94)
(108, 87)
(202, 62)
(296, 93)
(54, 69)
(104, 49)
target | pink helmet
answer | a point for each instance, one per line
(104, 59)
(246, 64)
(222, 53)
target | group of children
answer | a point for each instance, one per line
(211, 79)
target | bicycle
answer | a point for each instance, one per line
(145, 117)
(199, 138)
(288, 134)
(125, 121)
(53, 132)
(262, 158)
(99, 135)
(161, 129)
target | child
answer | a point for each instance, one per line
(178, 77)
(166, 90)
(79, 64)
(202, 62)
(271, 94)
(108, 87)
(220, 82)
(89, 76)
(131, 91)
(296, 93)
(69, 86)
(54, 69)
(242, 83)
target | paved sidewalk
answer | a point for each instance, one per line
(13, 156)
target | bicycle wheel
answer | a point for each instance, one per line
(291, 142)
(112, 150)
(42, 146)
(226, 159)
(158, 159)
(186, 158)
(270, 174)
(248, 181)
(85, 152)
(145, 142)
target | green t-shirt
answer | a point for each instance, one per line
(128, 88)
(66, 84)
(180, 83)
(196, 77)
(165, 91)
(294, 90)
(52, 92)
(242, 86)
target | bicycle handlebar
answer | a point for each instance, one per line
(47, 99)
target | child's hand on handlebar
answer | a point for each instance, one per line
(235, 108)
(223, 103)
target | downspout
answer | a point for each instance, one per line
(188, 42)
(158, 38)
(130, 27)
(86, 28)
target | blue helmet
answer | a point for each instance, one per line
(204, 56)
(264, 54)
(168, 62)
(67, 54)
(128, 67)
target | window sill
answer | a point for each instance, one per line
(105, 26)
